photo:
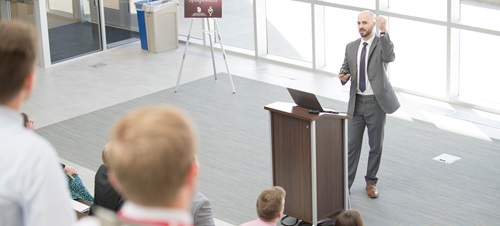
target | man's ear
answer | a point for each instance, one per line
(29, 82)
(192, 173)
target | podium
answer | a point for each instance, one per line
(309, 160)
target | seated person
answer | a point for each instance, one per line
(201, 209)
(106, 196)
(152, 162)
(270, 207)
(104, 193)
(349, 218)
(76, 187)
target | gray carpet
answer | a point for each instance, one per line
(236, 160)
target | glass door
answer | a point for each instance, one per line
(120, 17)
(18, 10)
(72, 32)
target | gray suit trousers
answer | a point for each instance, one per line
(367, 114)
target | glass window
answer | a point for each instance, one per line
(478, 60)
(340, 28)
(368, 4)
(420, 63)
(63, 6)
(4, 13)
(480, 13)
(432, 9)
(236, 25)
(289, 29)
(112, 4)
(73, 29)
(22, 10)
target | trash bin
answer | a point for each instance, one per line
(141, 23)
(161, 25)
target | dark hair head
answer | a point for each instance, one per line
(18, 52)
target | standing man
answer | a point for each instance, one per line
(371, 95)
(33, 189)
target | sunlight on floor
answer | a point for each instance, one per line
(401, 114)
(456, 126)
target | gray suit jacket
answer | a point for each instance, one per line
(201, 209)
(380, 54)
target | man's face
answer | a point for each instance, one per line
(365, 25)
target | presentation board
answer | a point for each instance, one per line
(202, 8)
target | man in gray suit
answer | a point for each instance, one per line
(371, 94)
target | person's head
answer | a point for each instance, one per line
(349, 218)
(152, 160)
(105, 153)
(271, 203)
(366, 24)
(18, 53)
(28, 123)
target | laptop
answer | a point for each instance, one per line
(305, 100)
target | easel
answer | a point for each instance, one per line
(210, 33)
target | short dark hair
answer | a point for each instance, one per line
(270, 203)
(18, 53)
(349, 218)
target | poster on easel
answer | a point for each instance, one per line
(202, 8)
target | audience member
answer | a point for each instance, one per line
(32, 187)
(75, 184)
(270, 207)
(349, 218)
(152, 163)
(201, 209)
(106, 196)
(104, 193)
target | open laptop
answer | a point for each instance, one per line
(307, 100)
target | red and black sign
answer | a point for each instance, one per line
(202, 8)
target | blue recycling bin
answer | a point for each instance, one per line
(141, 23)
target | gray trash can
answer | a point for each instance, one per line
(161, 25)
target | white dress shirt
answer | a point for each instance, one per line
(33, 189)
(368, 90)
(143, 215)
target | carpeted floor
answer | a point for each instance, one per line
(235, 157)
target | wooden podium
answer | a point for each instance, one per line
(309, 160)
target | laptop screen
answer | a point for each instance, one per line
(305, 99)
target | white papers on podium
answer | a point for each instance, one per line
(80, 207)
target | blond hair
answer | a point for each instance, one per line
(18, 53)
(105, 153)
(152, 151)
(271, 203)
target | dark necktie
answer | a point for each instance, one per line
(362, 73)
